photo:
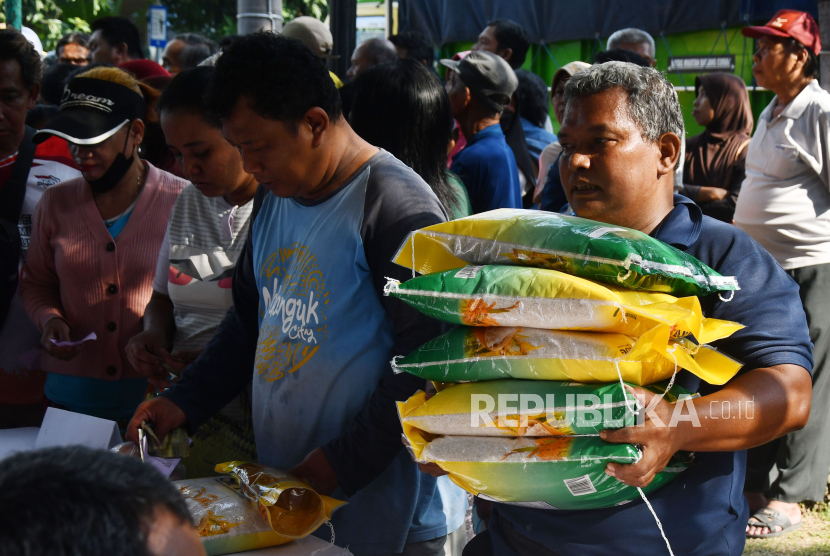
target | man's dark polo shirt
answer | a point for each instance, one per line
(703, 511)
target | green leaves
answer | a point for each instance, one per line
(51, 19)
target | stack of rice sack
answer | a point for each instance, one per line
(554, 313)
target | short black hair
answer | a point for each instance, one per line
(14, 46)
(116, 30)
(621, 55)
(280, 76)
(75, 37)
(532, 94)
(227, 40)
(76, 501)
(54, 81)
(416, 44)
(510, 34)
(41, 115)
(187, 92)
(811, 68)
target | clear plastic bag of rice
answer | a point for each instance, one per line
(254, 507)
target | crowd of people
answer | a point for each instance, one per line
(206, 244)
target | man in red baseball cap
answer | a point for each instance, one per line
(789, 23)
(784, 205)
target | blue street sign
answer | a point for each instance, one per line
(158, 26)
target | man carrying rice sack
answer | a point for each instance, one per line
(621, 139)
(310, 324)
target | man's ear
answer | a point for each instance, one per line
(468, 97)
(122, 51)
(317, 122)
(506, 53)
(802, 56)
(34, 93)
(669, 145)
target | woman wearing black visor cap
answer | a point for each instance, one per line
(94, 246)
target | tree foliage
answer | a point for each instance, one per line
(217, 18)
(51, 19)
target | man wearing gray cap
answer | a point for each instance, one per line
(316, 35)
(480, 86)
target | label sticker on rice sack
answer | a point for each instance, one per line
(566, 473)
(501, 295)
(471, 354)
(292, 508)
(528, 408)
(594, 250)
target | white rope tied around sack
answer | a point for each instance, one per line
(657, 519)
(331, 543)
(392, 285)
(624, 278)
(731, 296)
(643, 494)
(668, 387)
(394, 364)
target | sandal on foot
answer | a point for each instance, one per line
(769, 518)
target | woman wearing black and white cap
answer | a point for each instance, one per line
(94, 245)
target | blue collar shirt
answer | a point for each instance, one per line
(488, 170)
(703, 511)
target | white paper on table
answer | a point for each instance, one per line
(64, 428)
(88, 338)
(165, 466)
(300, 547)
(17, 440)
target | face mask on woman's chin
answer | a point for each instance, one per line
(117, 170)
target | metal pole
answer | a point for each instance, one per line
(824, 56)
(390, 22)
(14, 16)
(258, 15)
(343, 25)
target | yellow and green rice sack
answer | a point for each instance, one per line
(610, 254)
(501, 295)
(566, 473)
(470, 354)
(528, 408)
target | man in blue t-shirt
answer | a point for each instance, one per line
(480, 86)
(621, 145)
(310, 325)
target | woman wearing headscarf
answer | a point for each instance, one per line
(715, 159)
(94, 246)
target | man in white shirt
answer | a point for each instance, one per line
(785, 205)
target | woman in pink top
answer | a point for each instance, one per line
(94, 246)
